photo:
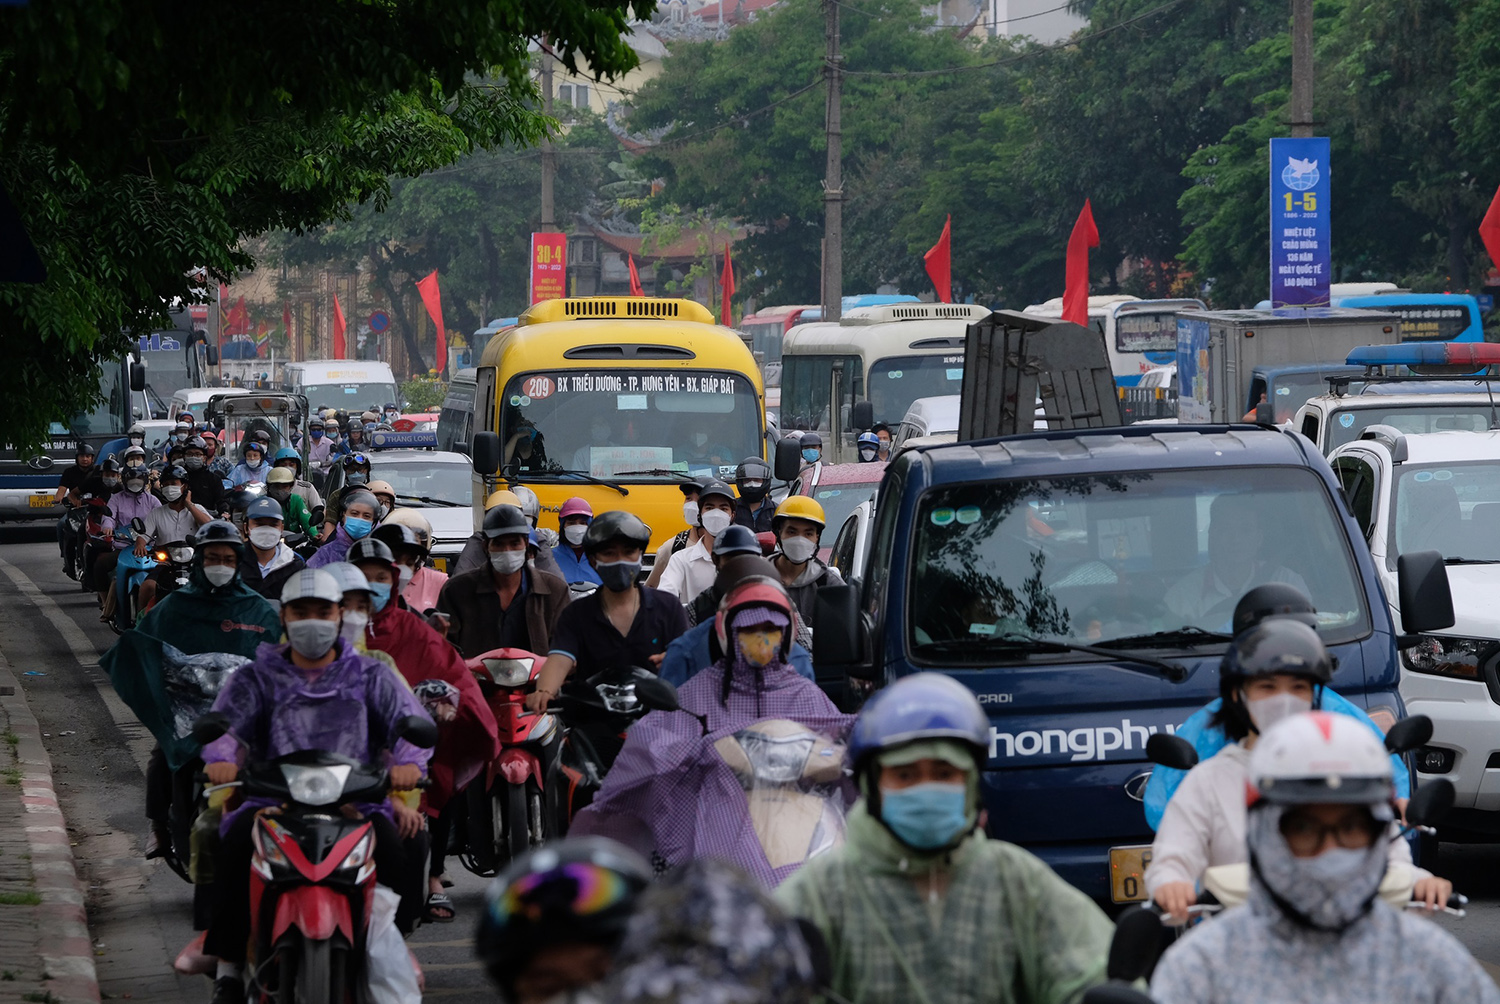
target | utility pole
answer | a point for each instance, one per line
(833, 181)
(1302, 68)
(549, 166)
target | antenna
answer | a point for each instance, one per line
(1490, 389)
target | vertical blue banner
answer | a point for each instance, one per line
(1301, 243)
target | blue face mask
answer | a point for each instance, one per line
(810, 455)
(317, 434)
(926, 816)
(380, 593)
(358, 528)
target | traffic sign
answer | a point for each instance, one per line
(1486, 302)
(380, 320)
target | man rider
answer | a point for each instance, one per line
(207, 487)
(573, 522)
(918, 904)
(691, 570)
(176, 519)
(1315, 929)
(283, 702)
(812, 463)
(686, 538)
(281, 485)
(251, 470)
(883, 434)
(1206, 597)
(319, 446)
(289, 458)
(476, 554)
(799, 526)
(68, 487)
(271, 563)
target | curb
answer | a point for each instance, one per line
(67, 951)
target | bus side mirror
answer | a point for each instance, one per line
(486, 452)
(1422, 586)
(788, 459)
(211, 354)
(137, 377)
(862, 415)
(837, 645)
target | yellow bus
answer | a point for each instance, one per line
(617, 400)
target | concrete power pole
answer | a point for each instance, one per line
(833, 182)
(1302, 68)
(549, 166)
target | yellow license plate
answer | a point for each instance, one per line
(1127, 873)
(441, 564)
(41, 501)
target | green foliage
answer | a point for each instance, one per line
(423, 394)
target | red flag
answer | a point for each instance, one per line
(635, 279)
(939, 261)
(1489, 231)
(286, 323)
(338, 328)
(1076, 293)
(726, 314)
(432, 299)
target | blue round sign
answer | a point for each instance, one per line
(380, 320)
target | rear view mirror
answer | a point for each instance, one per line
(1171, 751)
(1431, 804)
(211, 355)
(656, 694)
(1134, 948)
(837, 643)
(1408, 734)
(419, 730)
(209, 727)
(137, 376)
(862, 415)
(788, 462)
(1423, 592)
(138, 525)
(486, 452)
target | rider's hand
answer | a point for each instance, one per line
(536, 702)
(440, 622)
(657, 658)
(408, 820)
(1175, 897)
(140, 547)
(1432, 891)
(404, 776)
(1400, 804)
(221, 773)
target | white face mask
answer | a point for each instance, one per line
(508, 562)
(355, 622)
(218, 575)
(716, 521)
(172, 493)
(405, 575)
(312, 638)
(265, 537)
(690, 513)
(798, 550)
(1267, 711)
(575, 533)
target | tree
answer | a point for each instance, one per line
(138, 142)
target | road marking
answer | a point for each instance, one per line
(137, 737)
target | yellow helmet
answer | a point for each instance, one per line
(502, 497)
(799, 507)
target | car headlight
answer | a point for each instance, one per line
(509, 672)
(1443, 656)
(315, 785)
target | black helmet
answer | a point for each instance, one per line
(1274, 599)
(812, 439)
(716, 487)
(137, 430)
(217, 531)
(397, 536)
(694, 485)
(370, 549)
(736, 540)
(616, 527)
(355, 460)
(110, 465)
(579, 890)
(506, 521)
(1276, 646)
(174, 472)
(195, 443)
(85, 450)
(753, 478)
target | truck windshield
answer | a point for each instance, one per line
(1452, 508)
(1346, 426)
(352, 397)
(1098, 559)
(895, 382)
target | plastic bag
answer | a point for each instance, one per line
(393, 977)
(203, 840)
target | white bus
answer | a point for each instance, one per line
(350, 385)
(893, 354)
(1139, 335)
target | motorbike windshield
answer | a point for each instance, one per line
(791, 776)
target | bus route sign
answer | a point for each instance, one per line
(1301, 246)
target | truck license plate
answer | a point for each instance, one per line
(41, 502)
(441, 564)
(1127, 873)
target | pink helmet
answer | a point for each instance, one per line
(576, 506)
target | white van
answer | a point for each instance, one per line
(194, 399)
(929, 416)
(351, 385)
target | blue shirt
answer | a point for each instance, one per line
(689, 653)
(574, 567)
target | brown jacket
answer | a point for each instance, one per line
(473, 604)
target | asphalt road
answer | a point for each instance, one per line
(140, 913)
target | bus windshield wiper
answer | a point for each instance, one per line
(1185, 635)
(655, 472)
(427, 500)
(586, 476)
(1160, 667)
(1471, 561)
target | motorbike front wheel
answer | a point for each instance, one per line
(517, 832)
(318, 977)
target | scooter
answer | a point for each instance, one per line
(177, 556)
(131, 570)
(93, 539)
(312, 875)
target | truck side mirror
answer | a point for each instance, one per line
(837, 642)
(1423, 591)
(486, 452)
(137, 377)
(211, 355)
(788, 459)
(862, 415)
(1265, 414)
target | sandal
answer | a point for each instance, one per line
(440, 908)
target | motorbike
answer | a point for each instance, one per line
(791, 776)
(177, 556)
(130, 571)
(312, 875)
(92, 538)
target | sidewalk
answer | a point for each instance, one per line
(45, 952)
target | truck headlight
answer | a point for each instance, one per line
(1438, 655)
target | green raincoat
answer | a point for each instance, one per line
(1007, 931)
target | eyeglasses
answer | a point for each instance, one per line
(1306, 836)
(580, 888)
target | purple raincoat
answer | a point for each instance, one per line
(350, 709)
(337, 549)
(673, 794)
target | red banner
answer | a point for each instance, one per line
(339, 326)
(432, 299)
(549, 266)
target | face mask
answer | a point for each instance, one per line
(1267, 711)
(137, 441)
(811, 455)
(798, 550)
(690, 513)
(885, 445)
(111, 482)
(380, 592)
(265, 537)
(193, 463)
(181, 437)
(1330, 891)
(575, 533)
(312, 639)
(135, 486)
(172, 493)
(317, 434)
(700, 439)
(334, 436)
(218, 576)
(355, 622)
(357, 478)
(618, 576)
(358, 528)
(867, 453)
(281, 495)
(507, 562)
(253, 461)
(759, 648)
(403, 576)
(716, 522)
(752, 491)
(926, 816)
(385, 511)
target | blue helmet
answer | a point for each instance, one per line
(923, 706)
(264, 507)
(287, 453)
(869, 439)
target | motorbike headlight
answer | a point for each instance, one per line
(776, 759)
(182, 555)
(1439, 655)
(509, 672)
(315, 785)
(160, 557)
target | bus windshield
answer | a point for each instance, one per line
(630, 423)
(350, 397)
(1146, 331)
(1104, 558)
(1431, 322)
(107, 417)
(895, 382)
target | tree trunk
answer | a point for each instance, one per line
(491, 273)
(383, 278)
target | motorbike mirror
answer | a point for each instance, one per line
(209, 727)
(1409, 733)
(1133, 949)
(1431, 803)
(1171, 751)
(657, 694)
(138, 525)
(419, 730)
(1115, 993)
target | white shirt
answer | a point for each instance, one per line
(689, 572)
(165, 524)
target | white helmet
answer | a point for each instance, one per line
(312, 584)
(531, 506)
(1320, 756)
(412, 518)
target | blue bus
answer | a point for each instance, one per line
(1426, 317)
